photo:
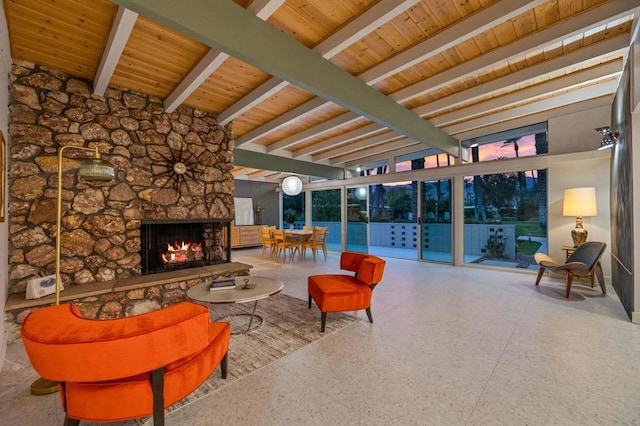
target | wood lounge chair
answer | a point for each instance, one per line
(582, 263)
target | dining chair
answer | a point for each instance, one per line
(268, 240)
(283, 244)
(316, 242)
(581, 263)
(125, 368)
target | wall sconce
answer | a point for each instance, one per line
(292, 185)
(609, 137)
(579, 202)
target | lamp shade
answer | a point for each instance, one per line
(292, 185)
(579, 202)
(96, 170)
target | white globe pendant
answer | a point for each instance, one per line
(292, 185)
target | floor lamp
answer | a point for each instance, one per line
(93, 170)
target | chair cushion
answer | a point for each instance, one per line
(339, 292)
(588, 253)
(64, 346)
(131, 397)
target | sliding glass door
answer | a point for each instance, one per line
(357, 219)
(325, 211)
(435, 228)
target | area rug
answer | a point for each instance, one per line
(287, 326)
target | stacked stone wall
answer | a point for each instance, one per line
(101, 221)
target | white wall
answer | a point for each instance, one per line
(573, 174)
(5, 69)
(576, 132)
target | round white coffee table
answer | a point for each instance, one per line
(248, 289)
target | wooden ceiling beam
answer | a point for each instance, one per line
(303, 135)
(353, 31)
(591, 54)
(121, 28)
(212, 60)
(574, 96)
(365, 131)
(613, 46)
(548, 88)
(450, 36)
(297, 113)
(581, 23)
(370, 143)
(381, 149)
(230, 28)
(477, 23)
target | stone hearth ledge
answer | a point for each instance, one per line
(18, 302)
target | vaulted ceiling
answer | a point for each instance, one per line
(316, 86)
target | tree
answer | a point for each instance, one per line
(399, 200)
(542, 147)
(502, 189)
(480, 213)
(521, 178)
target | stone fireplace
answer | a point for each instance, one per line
(170, 168)
(174, 245)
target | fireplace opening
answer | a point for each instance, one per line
(173, 245)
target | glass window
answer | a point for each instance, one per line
(505, 216)
(293, 211)
(325, 211)
(516, 143)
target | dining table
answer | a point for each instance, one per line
(299, 235)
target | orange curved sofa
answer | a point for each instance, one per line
(113, 370)
(342, 292)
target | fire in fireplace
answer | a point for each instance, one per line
(182, 252)
(171, 245)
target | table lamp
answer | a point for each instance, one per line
(579, 202)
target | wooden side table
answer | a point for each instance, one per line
(568, 251)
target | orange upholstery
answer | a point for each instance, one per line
(104, 366)
(341, 292)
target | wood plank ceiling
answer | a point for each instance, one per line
(467, 67)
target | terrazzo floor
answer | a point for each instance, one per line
(449, 346)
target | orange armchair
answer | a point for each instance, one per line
(113, 370)
(342, 292)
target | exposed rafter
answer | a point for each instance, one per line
(213, 59)
(372, 18)
(120, 30)
(230, 28)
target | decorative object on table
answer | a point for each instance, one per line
(342, 292)
(247, 285)
(42, 286)
(579, 202)
(581, 263)
(93, 169)
(292, 185)
(290, 217)
(223, 284)
(109, 369)
(609, 137)
(259, 211)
